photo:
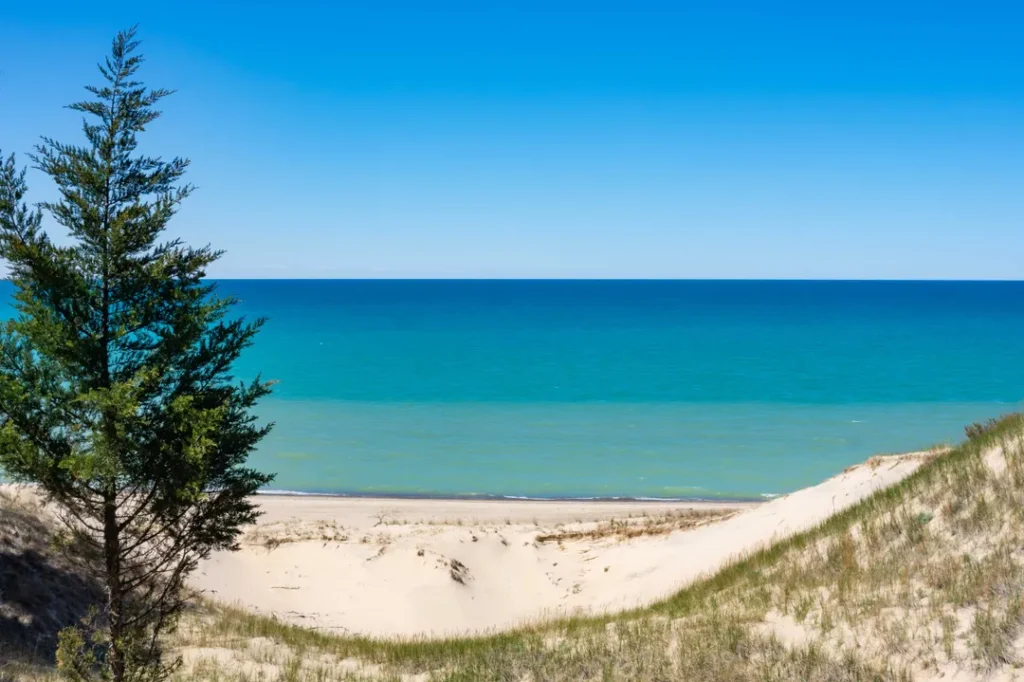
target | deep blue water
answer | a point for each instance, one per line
(619, 388)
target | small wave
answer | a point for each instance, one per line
(296, 493)
(527, 498)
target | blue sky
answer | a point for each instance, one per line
(565, 139)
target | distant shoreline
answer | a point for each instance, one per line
(489, 497)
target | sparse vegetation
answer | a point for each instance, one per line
(979, 429)
(272, 536)
(627, 529)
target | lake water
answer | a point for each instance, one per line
(696, 389)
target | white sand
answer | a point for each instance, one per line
(385, 567)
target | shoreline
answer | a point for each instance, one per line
(491, 497)
(285, 515)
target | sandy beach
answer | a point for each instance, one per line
(409, 568)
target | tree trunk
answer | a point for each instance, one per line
(115, 599)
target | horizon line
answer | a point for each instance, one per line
(608, 279)
(7, 278)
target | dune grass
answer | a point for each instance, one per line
(630, 528)
(919, 581)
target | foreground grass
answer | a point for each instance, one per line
(923, 580)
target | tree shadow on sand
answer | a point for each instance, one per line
(41, 590)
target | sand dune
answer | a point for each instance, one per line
(435, 567)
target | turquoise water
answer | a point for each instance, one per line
(619, 389)
(635, 389)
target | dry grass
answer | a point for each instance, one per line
(714, 646)
(627, 529)
(275, 535)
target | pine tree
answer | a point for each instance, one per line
(116, 394)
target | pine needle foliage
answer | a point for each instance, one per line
(116, 392)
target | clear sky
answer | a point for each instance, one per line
(566, 139)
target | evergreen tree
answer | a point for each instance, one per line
(116, 395)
